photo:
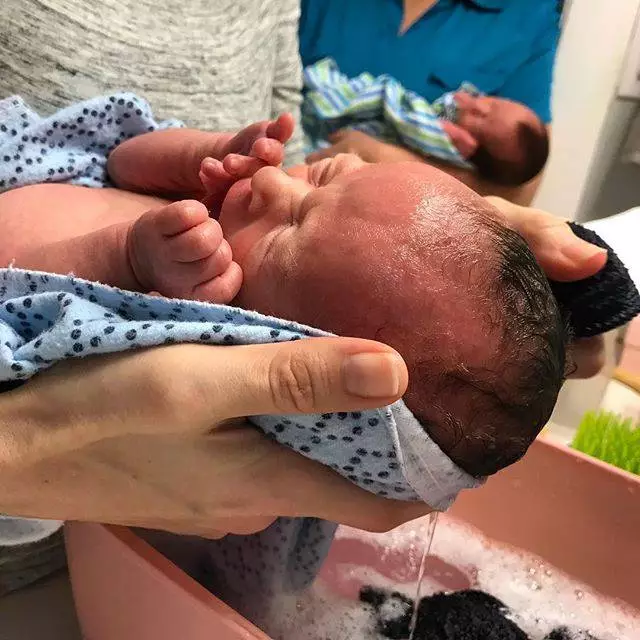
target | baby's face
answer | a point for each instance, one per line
(303, 236)
(493, 121)
(399, 253)
(347, 247)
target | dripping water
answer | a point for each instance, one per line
(433, 520)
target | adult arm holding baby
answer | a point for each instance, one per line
(134, 439)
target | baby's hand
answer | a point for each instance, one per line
(258, 145)
(251, 140)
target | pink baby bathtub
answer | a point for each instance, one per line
(578, 514)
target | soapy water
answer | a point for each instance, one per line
(540, 597)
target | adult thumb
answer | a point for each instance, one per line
(315, 375)
(563, 256)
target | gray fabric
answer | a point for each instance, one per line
(219, 66)
(214, 64)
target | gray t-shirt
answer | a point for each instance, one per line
(214, 64)
(218, 66)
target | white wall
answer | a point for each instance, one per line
(589, 121)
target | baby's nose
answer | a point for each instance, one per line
(271, 186)
(267, 184)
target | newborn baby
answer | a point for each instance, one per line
(503, 140)
(402, 254)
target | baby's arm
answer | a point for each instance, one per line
(78, 230)
(168, 162)
(164, 162)
(124, 239)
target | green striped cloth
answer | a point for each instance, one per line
(379, 106)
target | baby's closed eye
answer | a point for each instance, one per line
(324, 171)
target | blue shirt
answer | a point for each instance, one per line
(506, 48)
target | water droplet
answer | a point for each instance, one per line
(534, 586)
(532, 571)
(579, 594)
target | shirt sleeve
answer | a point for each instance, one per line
(532, 82)
(287, 81)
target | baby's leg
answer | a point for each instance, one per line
(168, 162)
(111, 236)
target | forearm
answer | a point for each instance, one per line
(99, 256)
(523, 194)
(31, 438)
(165, 162)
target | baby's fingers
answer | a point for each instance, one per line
(269, 151)
(216, 183)
(242, 166)
(282, 128)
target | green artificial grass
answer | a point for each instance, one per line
(611, 438)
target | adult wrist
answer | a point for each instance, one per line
(31, 431)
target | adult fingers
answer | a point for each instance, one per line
(562, 255)
(316, 375)
(191, 388)
(299, 487)
(587, 356)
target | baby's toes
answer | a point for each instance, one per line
(198, 243)
(216, 183)
(212, 173)
(242, 166)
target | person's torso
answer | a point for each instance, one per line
(449, 45)
(207, 62)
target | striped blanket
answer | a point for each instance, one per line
(379, 106)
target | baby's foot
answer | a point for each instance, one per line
(179, 252)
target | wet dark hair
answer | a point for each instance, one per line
(492, 416)
(533, 143)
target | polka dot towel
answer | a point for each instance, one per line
(72, 145)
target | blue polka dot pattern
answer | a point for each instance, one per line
(73, 145)
(46, 318)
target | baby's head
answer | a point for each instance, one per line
(512, 142)
(407, 255)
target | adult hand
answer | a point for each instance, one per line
(151, 438)
(564, 257)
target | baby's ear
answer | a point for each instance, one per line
(461, 139)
